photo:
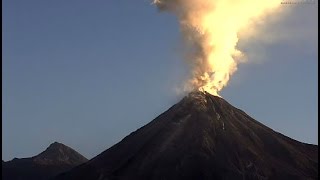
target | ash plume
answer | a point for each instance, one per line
(211, 30)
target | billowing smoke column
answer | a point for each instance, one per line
(211, 30)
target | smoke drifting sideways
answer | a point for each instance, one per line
(211, 30)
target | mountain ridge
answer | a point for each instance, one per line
(55, 159)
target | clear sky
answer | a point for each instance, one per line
(88, 73)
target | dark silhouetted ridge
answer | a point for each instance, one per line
(58, 153)
(55, 159)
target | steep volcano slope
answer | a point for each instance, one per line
(56, 159)
(202, 137)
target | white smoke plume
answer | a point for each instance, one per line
(211, 30)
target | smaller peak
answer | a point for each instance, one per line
(56, 147)
(56, 144)
(58, 153)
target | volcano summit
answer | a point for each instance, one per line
(202, 137)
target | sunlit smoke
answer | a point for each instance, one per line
(211, 30)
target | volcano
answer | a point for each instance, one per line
(202, 137)
(56, 159)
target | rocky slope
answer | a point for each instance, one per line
(202, 137)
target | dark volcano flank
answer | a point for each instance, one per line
(202, 137)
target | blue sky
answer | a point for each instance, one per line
(88, 73)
